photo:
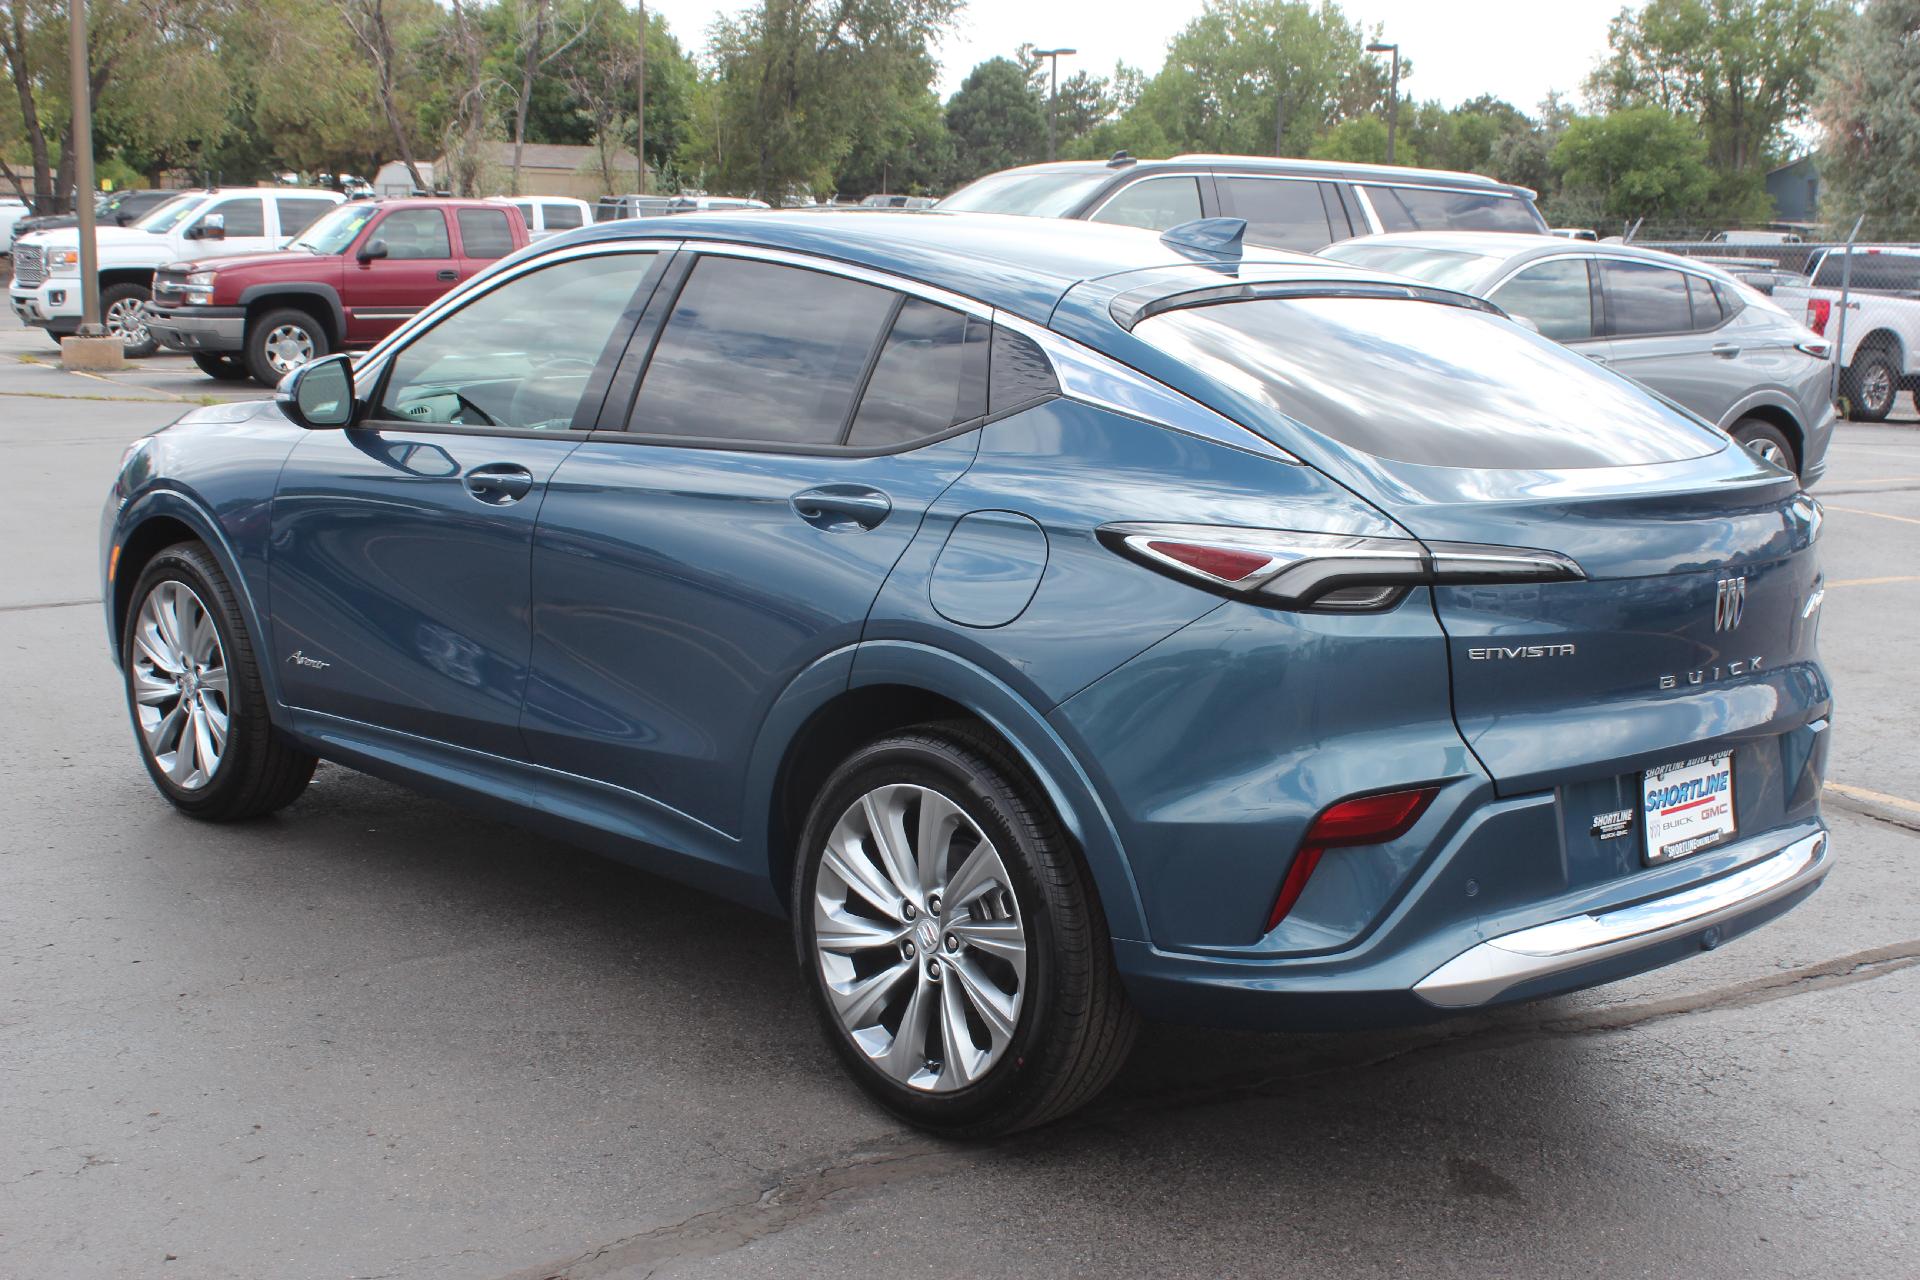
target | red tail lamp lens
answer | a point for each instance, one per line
(1361, 820)
(1819, 311)
(1228, 564)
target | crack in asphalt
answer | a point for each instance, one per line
(794, 1197)
(46, 604)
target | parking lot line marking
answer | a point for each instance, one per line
(1875, 582)
(1862, 511)
(1879, 797)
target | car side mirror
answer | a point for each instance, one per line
(211, 227)
(319, 395)
(375, 248)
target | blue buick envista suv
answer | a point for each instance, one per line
(1061, 623)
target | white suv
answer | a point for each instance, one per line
(194, 224)
(548, 215)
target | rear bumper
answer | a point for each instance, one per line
(1391, 980)
(198, 328)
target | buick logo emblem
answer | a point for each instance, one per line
(1730, 605)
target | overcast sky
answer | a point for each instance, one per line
(1514, 49)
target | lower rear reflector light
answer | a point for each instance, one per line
(1373, 819)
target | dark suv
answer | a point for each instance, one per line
(1287, 204)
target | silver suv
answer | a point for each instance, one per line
(1684, 328)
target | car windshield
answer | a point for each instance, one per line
(1448, 268)
(335, 229)
(164, 217)
(1037, 195)
(1428, 383)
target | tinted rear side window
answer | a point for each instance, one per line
(1892, 272)
(484, 233)
(932, 374)
(561, 216)
(1643, 299)
(1427, 209)
(759, 352)
(1279, 213)
(1427, 383)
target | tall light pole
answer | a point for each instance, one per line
(640, 107)
(1393, 93)
(81, 92)
(1053, 57)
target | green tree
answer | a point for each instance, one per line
(1640, 162)
(1869, 113)
(996, 120)
(599, 73)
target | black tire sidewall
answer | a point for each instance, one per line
(936, 766)
(255, 351)
(246, 713)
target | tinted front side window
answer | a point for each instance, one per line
(932, 374)
(484, 233)
(1428, 209)
(1556, 296)
(759, 352)
(1155, 203)
(561, 216)
(520, 355)
(243, 217)
(1644, 299)
(415, 233)
(297, 215)
(1284, 215)
(1427, 383)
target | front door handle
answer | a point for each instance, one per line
(446, 275)
(842, 508)
(499, 483)
(1725, 350)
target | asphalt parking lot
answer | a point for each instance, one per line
(375, 1036)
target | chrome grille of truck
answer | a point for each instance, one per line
(29, 264)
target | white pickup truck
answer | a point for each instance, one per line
(195, 224)
(1882, 340)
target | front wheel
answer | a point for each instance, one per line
(1872, 384)
(956, 952)
(123, 312)
(280, 342)
(220, 365)
(194, 692)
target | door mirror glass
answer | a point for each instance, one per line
(375, 248)
(320, 394)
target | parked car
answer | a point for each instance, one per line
(1121, 630)
(116, 209)
(193, 225)
(12, 211)
(1685, 329)
(1881, 355)
(1576, 233)
(343, 284)
(1762, 275)
(549, 215)
(1286, 204)
(897, 202)
(1754, 237)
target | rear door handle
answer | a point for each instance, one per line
(1725, 350)
(448, 274)
(842, 508)
(499, 483)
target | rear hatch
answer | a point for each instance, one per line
(1690, 629)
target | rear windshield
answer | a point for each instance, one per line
(1429, 383)
(1448, 268)
(1430, 209)
(1037, 195)
(1893, 272)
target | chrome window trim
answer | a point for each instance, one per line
(1093, 214)
(1435, 186)
(833, 266)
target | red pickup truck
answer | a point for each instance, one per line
(343, 284)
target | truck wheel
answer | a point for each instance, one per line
(220, 365)
(1764, 440)
(1871, 384)
(280, 342)
(123, 310)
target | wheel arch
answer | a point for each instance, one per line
(141, 276)
(1883, 339)
(1771, 411)
(854, 696)
(318, 300)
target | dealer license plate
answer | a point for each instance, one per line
(1688, 806)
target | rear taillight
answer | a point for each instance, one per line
(1326, 572)
(1819, 311)
(1372, 819)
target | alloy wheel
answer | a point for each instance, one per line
(1770, 451)
(181, 692)
(127, 321)
(1876, 388)
(919, 938)
(288, 346)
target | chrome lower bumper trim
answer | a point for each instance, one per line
(1481, 973)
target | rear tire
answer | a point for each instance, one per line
(121, 310)
(220, 365)
(1012, 1034)
(279, 342)
(1871, 385)
(194, 694)
(1765, 440)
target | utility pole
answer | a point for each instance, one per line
(1393, 93)
(81, 91)
(1053, 57)
(640, 105)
